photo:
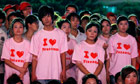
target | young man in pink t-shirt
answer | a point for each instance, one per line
(48, 47)
(122, 50)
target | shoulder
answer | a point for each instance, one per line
(73, 40)
(59, 31)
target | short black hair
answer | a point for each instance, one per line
(73, 6)
(54, 82)
(2, 16)
(85, 17)
(84, 12)
(114, 27)
(73, 15)
(13, 79)
(132, 28)
(61, 22)
(16, 14)
(30, 19)
(103, 21)
(45, 10)
(86, 77)
(121, 18)
(96, 16)
(70, 80)
(117, 76)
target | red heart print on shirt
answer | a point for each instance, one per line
(93, 55)
(126, 46)
(70, 51)
(52, 42)
(20, 53)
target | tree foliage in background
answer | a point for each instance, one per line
(95, 6)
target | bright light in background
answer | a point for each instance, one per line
(110, 8)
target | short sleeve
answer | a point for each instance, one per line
(110, 48)
(134, 51)
(76, 55)
(63, 43)
(28, 54)
(6, 50)
(34, 46)
(101, 54)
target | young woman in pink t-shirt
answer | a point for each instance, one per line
(65, 25)
(16, 53)
(122, 50)
(105, 28)
(88, 55)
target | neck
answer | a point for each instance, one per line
(123, 34)
(68, 38)
(18, 39)
(74, 32)
(106, 35)
(29, 34)
(90, 41)
(48, 27)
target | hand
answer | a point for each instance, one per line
(22, 70)
(105, 45)
(108, 78)
(21, 75)
(63, 76)
(33, 78)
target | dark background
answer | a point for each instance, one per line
(119, 7)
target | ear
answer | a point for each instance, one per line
(29, 25)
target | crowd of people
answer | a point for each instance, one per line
(84, 48)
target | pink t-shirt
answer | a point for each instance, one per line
(103, 38)
(123, 49)
(72, 71)
(88, 55)
(17, 53)
(47, 46)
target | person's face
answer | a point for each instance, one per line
(91, 81)
(27, 11)
(119, 81)
(18, 29)
(114, 32)
(112, 19)
(10, 19)
(47, 20)
(9, 11)
(106, 27)
(123, 26)
(134, 19)
(74, 22)
(1, 20)
(66, 28)
(92, 33)
(131, 78)
(34, 26)
(84, 23)
(70, 10)
(18, 83)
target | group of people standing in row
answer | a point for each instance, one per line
(86, 48)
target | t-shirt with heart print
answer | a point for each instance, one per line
(88, 55)
(17, 53)
(72, 71)
(123, 49)
(47, 46)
